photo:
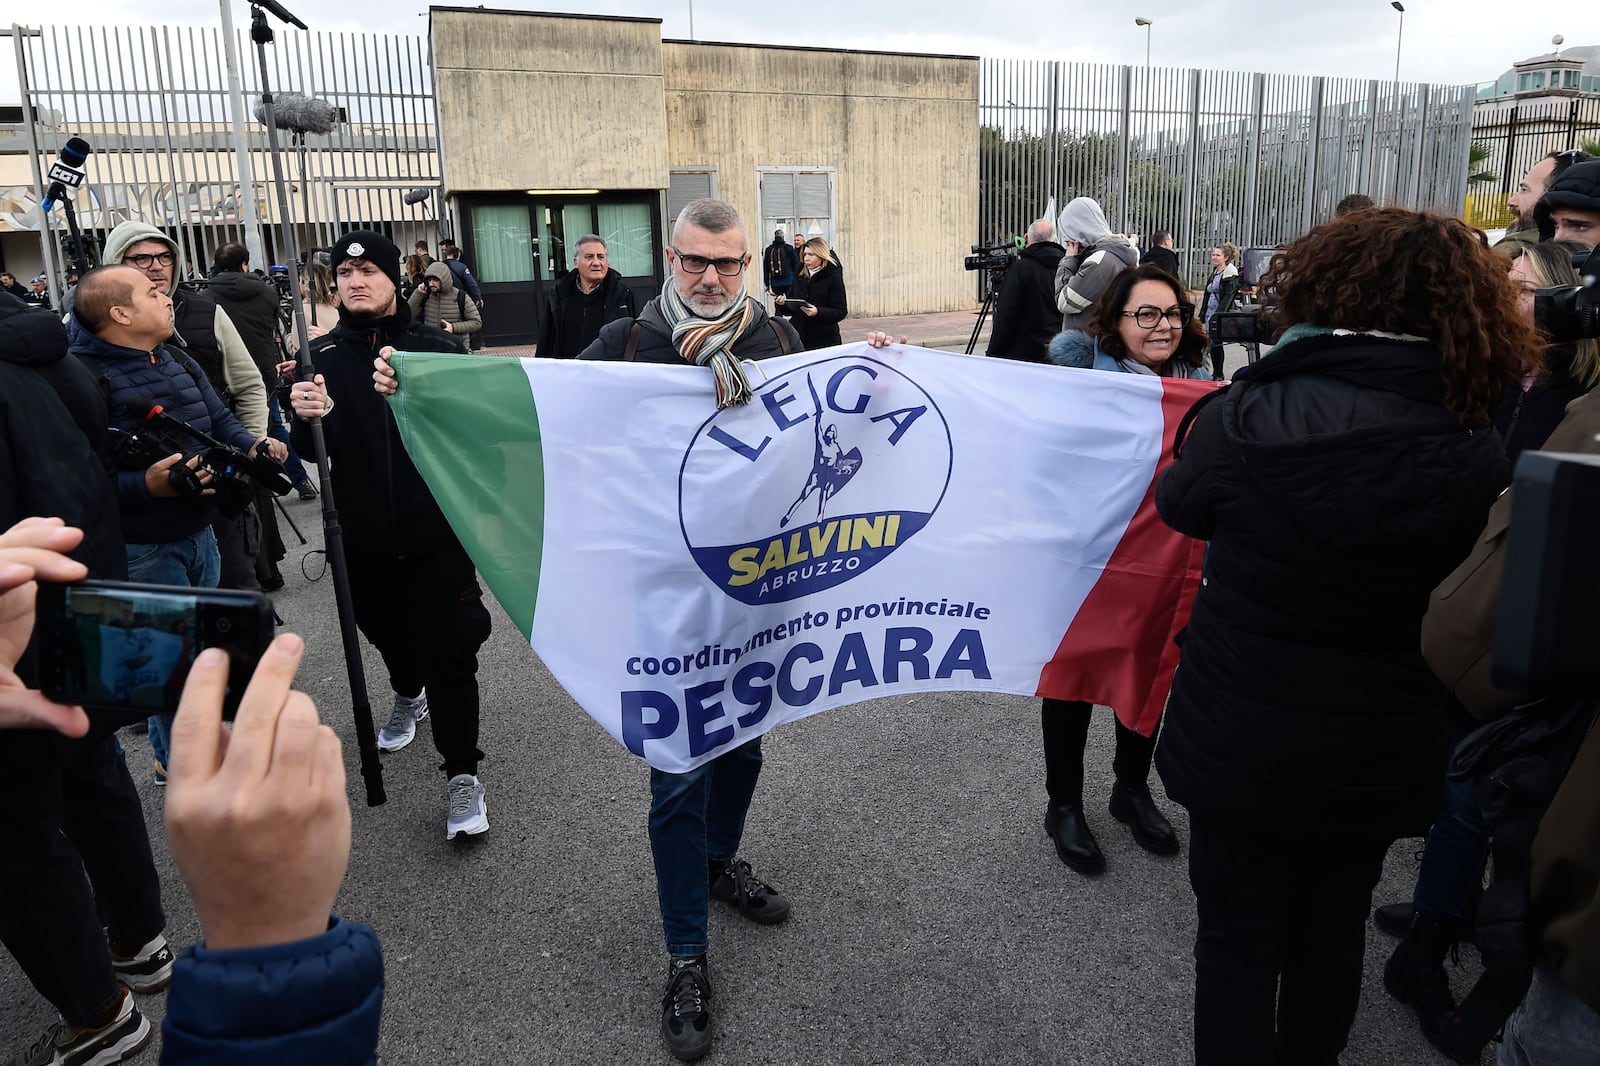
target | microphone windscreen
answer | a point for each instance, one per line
(304, 114)
(75, 151)
(416, 196)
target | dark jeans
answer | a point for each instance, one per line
(427, 619)
(1065, 724)
(695, 818)
(1281, 942)
(68, 807)
(278, 431)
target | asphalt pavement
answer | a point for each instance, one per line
(932, 922)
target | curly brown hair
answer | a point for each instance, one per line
(1105, 323)
(1417, 273)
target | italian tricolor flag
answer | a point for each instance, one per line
(875, 521)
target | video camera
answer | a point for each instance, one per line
(234, 474)
(1571, 312)
(996, 257)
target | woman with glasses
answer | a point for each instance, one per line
(1337, 481)
(816, 301)
(1140, 325)
(1222, 289)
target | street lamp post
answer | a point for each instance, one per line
(1400, 36)
(1146, 23)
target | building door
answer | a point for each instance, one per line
(796, 200)
(504, 259)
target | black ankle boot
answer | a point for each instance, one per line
(1068, 830)
(1415, 973)
(1135, 808)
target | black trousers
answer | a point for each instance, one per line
(1281, 942)
(1065, 724)
(68, 807)
(1217, 356)
(427, 619)
(238, 541)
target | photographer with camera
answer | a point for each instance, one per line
(1025, 315)
(168, 507)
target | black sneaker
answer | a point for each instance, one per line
(760, 902)
(306, 489)
(147, 970)
(67, 1045)
(686, 1008)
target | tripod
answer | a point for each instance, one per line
(996, 279)
(261, 34)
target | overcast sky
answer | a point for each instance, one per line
(1457, 41)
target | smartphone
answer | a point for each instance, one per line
(124, 649)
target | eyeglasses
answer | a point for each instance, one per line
(143, 260)
(697, 264)
(1148, 316)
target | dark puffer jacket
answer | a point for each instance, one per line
(179, 386)
(1526, 419)
(655, 338)
(388, 511)
(310, 1001)
(54, 447)
(1025, 315)
(1336, 490)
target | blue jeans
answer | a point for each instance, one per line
(1452, 857)
(278, 431)
(191, 561)
(697, 818)
(1552, 1027)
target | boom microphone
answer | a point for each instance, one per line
(416, 196)
(301, 114)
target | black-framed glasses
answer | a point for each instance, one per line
(144, 259)
(698, 264)
(1148, 316)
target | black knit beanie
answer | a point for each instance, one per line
(375, 248)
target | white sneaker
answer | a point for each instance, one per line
(401, 728)
(469, 810)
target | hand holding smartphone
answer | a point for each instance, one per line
(125, 650)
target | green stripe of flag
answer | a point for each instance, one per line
(470, 425)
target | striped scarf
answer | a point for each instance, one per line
(709, 341)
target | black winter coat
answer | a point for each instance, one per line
(1025, 315)
(1526, 419)
(616, 303)
(1336, 491)
(655, 338)
(1165, 258)
(388, 511)
(55, 450)
(825, 288)
(252, 304)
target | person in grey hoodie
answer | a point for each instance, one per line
(1094, 256)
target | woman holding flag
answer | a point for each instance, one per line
(1338, 481)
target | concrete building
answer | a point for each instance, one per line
(552, 126)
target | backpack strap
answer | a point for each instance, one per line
(461, 303)
(630, 347)
(783, 338)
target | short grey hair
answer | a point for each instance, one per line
(1041, 230)
(714, 216)
(590, 238)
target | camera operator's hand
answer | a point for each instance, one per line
(275, 449)
(29, 550)
(159, 479)
(384, 381)
(257, 819)
(310, 398)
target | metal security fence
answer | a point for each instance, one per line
(1509, 137)
(172, 149)
(1212, 156)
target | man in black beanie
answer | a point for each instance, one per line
(1569, 210)
(415, 591)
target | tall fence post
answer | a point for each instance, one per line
(1186, 212)
(1252, 179)
(241, 146)
(1313, 154)
(1124, 145)
(30, 118)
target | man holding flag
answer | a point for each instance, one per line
(415, 591)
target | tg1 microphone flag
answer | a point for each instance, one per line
(67, 171)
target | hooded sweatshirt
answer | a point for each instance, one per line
(212, 335)
(449, 304)
(1102, 255)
